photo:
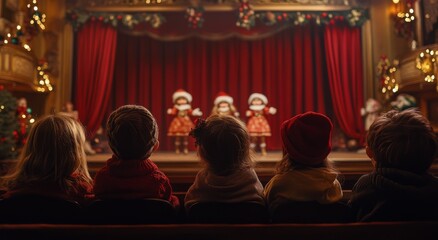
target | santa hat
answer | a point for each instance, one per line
(223, 97)
(180, 93)
(259, 96)
(307, 138)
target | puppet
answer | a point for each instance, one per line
(258, 126)
(182, 124)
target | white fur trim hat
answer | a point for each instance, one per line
(259, 96)
(180, 93)
(223, 97)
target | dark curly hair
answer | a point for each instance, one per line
(403, 140)
(132, 132)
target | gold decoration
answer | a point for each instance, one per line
(426, 62)
(37, 18)
(43, 81)
(388, 76)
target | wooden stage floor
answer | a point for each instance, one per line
(272, 156)
(182, 169)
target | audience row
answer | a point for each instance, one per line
(401, 145)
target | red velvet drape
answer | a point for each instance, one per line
(288, 67)
(95, 49)
(344, 65)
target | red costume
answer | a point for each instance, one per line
(182, 124)
(132, 179)
(258, 126)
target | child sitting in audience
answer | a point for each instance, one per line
(304, 174)
(402, 147)
(228, 176)
(129, 173)
(52, 162)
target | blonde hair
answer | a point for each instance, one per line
(215, 109)
(224, 145)
(403, 140)
(54, 152)
(132, 132)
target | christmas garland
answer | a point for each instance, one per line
(195, 14)
(354, 17)
(79, 17)
(247, 17)
(386, 76)
(404, 22)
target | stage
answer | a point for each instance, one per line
(161, 157)
(182, 168)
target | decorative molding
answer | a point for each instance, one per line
(284, 7)
(218, 3)
(409, 74)
(17, 66)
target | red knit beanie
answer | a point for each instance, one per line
(307, 138)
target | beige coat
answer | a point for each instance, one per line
(314, 184)
(241, 186)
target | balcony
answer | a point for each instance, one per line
(17, 68)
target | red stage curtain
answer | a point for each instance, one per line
(96, 48)
(288, 67)
(344, 65)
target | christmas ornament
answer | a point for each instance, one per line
(195, 14)
(246, 15)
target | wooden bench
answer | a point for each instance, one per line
(354, 231)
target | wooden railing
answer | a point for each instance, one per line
(17, 68)
(411, 78)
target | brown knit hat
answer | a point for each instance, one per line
(307, 138)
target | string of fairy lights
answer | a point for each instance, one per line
(21, 35)
(37, 18)
(426, 62)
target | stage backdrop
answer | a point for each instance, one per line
(306, 68)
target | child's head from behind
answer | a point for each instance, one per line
(53, 152)
(132, 132)
(223, 143)
(306, 139)
(403, 140)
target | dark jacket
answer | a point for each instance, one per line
(389, 194)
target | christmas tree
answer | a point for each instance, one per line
(8, 124)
